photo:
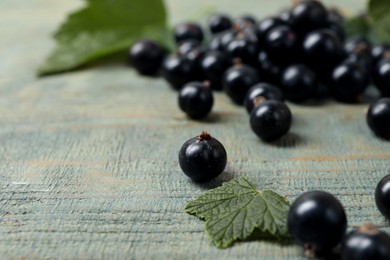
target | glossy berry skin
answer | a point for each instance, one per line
(381, 76)
(307, 16)
(382, 196)
(266, 25)
(146, 57)
(245, 21)
(219, 23)
(348, 81)
(188, 31)
(269, 70)
(202, 158)
(195, 56)
(317, 220)
(270, 120)
(366, 243)
(244, 49)
(263, 90)
(177, 70)
(378, 52)
(378, 117)
(213, 65)
(237, 80)
(322, 50)
(298, 83)
(281, 43)
(196, 99)
(222, 40)
(358, 44)
(187, 46)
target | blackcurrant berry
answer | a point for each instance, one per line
(188, 31)
(381, 76)
(335, 16)
(263, 90)
(177, 70)
(195, 56)
(362, 59)
(237, 80)
(317, 220)
(269, 70)
(202, 158)
(187, 46)
(281, 43)
(196, 99)
(270, 120)
(219, 23)
(322, 51)
(378, 117)
(146, 56)
(348, 80)
(382, 196)
(366, 242)
(244, 49)
(358, 44)
(298, 83)
(222, 40)
(267, 25)
(285, 15)
(245, 21)
(307, 16)
(338, 30)
(213, 65)
(379, 51)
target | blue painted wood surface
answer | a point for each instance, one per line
(89, 159)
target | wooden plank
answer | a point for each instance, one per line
(89, 159)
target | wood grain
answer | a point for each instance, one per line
(89, 159)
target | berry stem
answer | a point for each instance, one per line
(204, 136)
(368, 228)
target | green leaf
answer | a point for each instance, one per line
(236, 209)
(379, 13)
(357, 25)
(103, 28)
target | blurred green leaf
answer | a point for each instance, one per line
(103, 28)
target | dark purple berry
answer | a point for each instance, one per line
(177, 70)
(317, 220)
(378, 52)
(188, 31)
(269, 70)
(281, 43)
(382, 196)
(261, 90)
(196, 99)
(381, 76)
(365, 243)
(202, 158)
(265, 26)
(219, 23)
(244, 49)
(270, 119)
(237, 80)
(146, 56)
(378, 117)
(187, 46)
(298, 83)
(213, 65)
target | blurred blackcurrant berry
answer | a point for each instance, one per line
(177, 70)
(214, 64)
(261, 90)
(378, 117)
(196, 99)
(188, 31)
(219, 23)
(146, 56)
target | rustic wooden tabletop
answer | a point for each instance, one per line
(88, 160)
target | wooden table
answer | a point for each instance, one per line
(89, 159)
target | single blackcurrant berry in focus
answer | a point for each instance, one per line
(219, 23)
(348, 80)
(263, 90)
(367, 242)
(270, 119)
(196, 99)
(237, 80)
(381, 76)
(177, 70)
(202, 158)
(281, 44)
(307, 16)
(298, 83)
(382, 196)
(188, 31)
(146, 57)
(213, 65)
(317, 220)
(378, 117)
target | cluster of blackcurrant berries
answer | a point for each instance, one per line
(299, 54)
(317, 220)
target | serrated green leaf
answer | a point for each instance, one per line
(379, 13)
(103, 28)
(236, 209)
